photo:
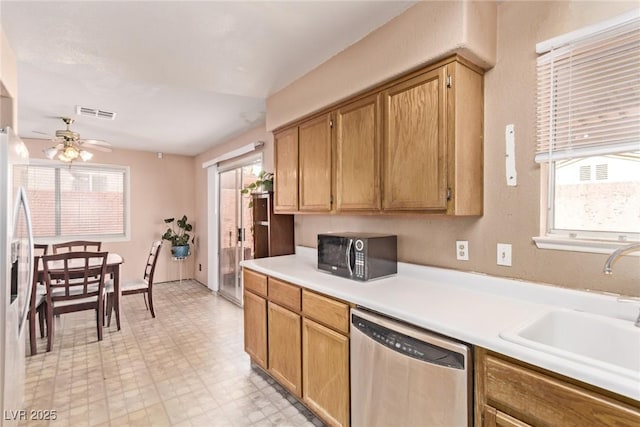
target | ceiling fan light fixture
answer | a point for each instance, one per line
(85, 155)
(69, 147)
(71, 152)
(50, 153)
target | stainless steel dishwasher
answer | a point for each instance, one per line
(405, 376)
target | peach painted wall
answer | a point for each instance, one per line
(203, 193)
(512, 214)
(159, 188)
(424, 33)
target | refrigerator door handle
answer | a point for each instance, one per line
(22, 204)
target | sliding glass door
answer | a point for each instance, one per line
(235, 234)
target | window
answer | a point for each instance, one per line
(589, 132)
(76, 202)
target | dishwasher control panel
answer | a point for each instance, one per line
(407, 345)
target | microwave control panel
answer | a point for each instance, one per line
(359, 264)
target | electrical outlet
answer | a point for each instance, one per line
(462, 250)
(504, 254)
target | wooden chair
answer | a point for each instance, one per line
(37, 304)
(75, 282)
(76, 246)
(142, 286)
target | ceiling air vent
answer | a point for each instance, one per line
(93, 112)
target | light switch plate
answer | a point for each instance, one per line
(504, 254)
(462, 250)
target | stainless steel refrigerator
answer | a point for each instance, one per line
(16, 271)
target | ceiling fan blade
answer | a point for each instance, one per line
(99, 148)
(95, 142)
(41, 133)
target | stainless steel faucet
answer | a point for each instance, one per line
(617, 254)
(609, 271)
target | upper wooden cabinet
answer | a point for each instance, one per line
(286, 171)
(314, 145)
(357, 166)
(414, 144)
(465, 135)
(410, 145)
(432, 142)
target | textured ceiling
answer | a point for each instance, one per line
(181, 76)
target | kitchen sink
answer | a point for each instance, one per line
(599, 341)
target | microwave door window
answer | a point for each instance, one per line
(333, 253)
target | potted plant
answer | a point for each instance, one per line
(179, 239)
(263, 183)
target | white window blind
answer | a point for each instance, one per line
(76, 201)
(589, 95)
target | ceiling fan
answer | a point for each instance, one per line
(70, 147)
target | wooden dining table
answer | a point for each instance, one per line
(113, 268)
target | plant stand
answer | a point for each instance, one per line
(180, 260)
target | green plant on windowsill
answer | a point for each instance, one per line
(179, 239)
(263, 183)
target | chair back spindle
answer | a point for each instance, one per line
(76, 246)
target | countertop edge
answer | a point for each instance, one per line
(371, 295)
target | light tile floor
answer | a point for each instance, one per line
(186, 367)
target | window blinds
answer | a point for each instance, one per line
(81, 201)
(589, 95)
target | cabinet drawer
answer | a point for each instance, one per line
(539, 399)
(254, 282)
(284, 294)
(327, 311)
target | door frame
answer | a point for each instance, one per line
(213, 213)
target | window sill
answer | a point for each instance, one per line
(575, 245)
(103, 239)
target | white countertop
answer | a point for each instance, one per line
(470, 307)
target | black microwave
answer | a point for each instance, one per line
(359, 256)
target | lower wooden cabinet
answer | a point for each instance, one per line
(511, 393)
(255, 328)
(492, 417)
(301, 339)
(325, 372)
(285, 346)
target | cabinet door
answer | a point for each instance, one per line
(494, 418)
(286, 170)
(285, 348)
(357, 155)
(315, 164)
(325, 355)
(532, 394)
(255, 328)
(414, 144)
